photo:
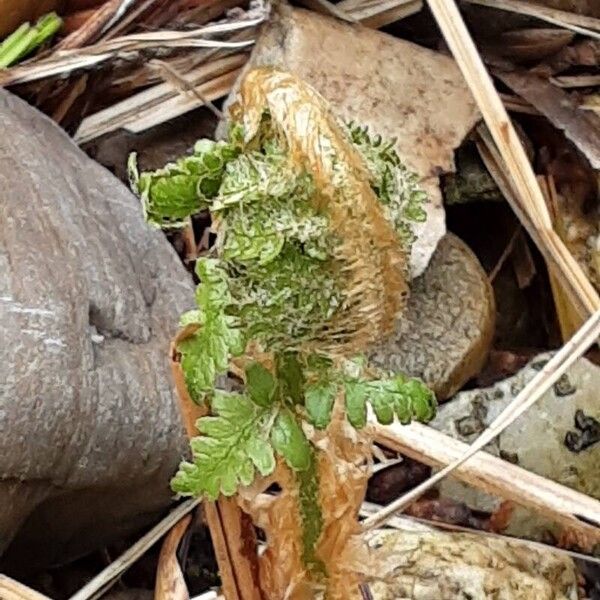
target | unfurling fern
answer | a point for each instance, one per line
(314, 226)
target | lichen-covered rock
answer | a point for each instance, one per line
(398, 89)
(423, 564)
(89, 299)
(558, 437)
(446, 330)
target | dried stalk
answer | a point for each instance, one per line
(545, 240)
(576, 81)
(181, 104)
(100, 19)
(494, 476)
(159, 104)
(531, 393)
(328, 8)
(588, 26)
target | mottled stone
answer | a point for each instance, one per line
(89, 299)
(446, 330)
(423, 564)
(556, 437)
(398, 89)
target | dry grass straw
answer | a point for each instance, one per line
(160, 103)
(64, 62)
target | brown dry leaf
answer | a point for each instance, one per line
(532, 44)
(447, 510)
(582, 7)
(584, 53)
(500, 518)
(581, 127)
(170, 584)
(343, 467)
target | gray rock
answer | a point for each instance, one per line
(445, 333)
(535, 441)
(398, 89)
(89, 299)
(424, 564)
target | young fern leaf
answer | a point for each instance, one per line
(206, 353)
(289, 441)
(172, 194)
(406, 399)
(319, 399)
(260, 384)
(234, 445)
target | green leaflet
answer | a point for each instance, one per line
(356, 403)
(260, 385)
(265, 203)
(406, 399)
(396, 187)
(183, 188)
(206, 353)
(291, 377)
(289, 441)
(319, 399)
(234, 445)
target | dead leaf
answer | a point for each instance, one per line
(533, 44)
(581, 127)
(170, 584)
(585, 53)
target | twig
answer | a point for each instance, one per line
(171, 75)
(104, 580)
(157, 103)
(505, 254)
(579, 23)
(179, 105)
(531, 393)
(495, 476)
(548, 241)
(328, 8)
(576, 81)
